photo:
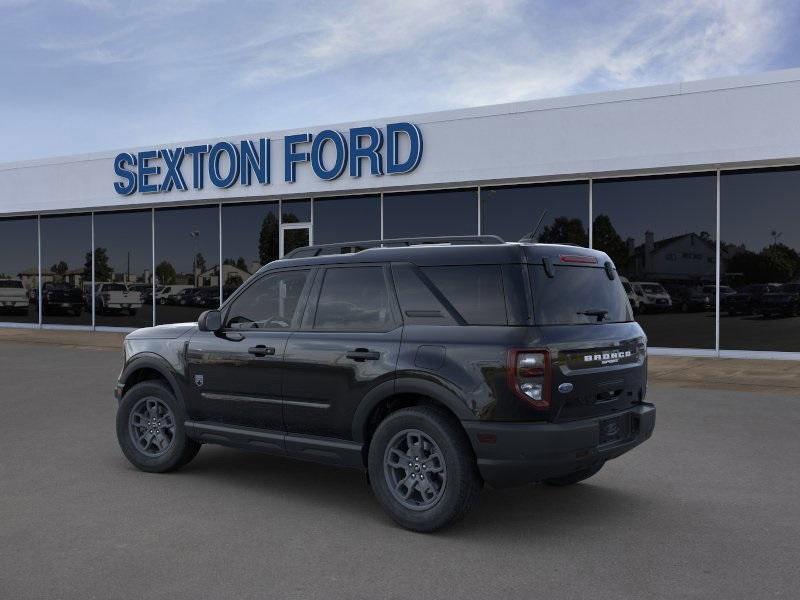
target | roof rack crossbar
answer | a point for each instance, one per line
(358, 246)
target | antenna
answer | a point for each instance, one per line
(530, 237)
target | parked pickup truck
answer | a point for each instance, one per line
(13, 296)
(61, 298)
(116, 297)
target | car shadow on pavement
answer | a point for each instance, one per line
(549, 511)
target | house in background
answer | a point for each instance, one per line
(689, 258)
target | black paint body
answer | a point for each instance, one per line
(319, 394)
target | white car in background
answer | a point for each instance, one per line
(13, 296)
(652, 296)
(169, 293)
(116, 297)
(633, 298)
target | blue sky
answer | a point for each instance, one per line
(88, 75)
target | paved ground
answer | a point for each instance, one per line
(707, 509)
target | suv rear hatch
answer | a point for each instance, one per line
(597, 352)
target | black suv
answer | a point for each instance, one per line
(434, 368)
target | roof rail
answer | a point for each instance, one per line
(358, 246)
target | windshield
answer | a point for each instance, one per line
(578, 296)
(653, 288)
(10, 283)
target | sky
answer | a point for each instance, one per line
(91, 75)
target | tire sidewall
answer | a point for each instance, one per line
(174, 456)
(460, 471)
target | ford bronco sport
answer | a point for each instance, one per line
(434, 367)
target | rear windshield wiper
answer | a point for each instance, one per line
(594, 312)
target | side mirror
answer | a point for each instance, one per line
(210, 320)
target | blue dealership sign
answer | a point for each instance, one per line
(330, 153)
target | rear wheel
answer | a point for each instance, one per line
(575, 477)
(422, 469)
(150, 429)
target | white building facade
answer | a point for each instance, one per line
(694, 186)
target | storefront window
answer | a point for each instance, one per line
(123, 266)
(19, 270)
(760, 260)
(347, 219)
(513, 212)
(296, 211)
(249, 240)
(660, 233)
(422, 214)
(187, 267)
(67, 270)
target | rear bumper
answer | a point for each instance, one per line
(527, 452)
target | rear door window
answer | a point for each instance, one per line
(578, 296)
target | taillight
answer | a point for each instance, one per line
(529, 376)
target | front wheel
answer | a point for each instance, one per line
(150, 429)
(422, 469)
(575, 477)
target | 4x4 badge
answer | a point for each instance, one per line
(198, 380)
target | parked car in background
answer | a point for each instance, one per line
(652, 296)
(724, 292)
(116, 297)
(691, 299)
(169, 293)
(633, 297)
(747, 300)
(785, 301)
(62, 298)
(145, 289)
(206, 297)
(13, 297)
(184, 297)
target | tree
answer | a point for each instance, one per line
(60, 268)
(165, 273)
(200, 262)
(241, 264)
(606, 238)
(268, 239)
(565, 231)
(102, 270)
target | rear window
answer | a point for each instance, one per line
(578, 296)
(476, 292)
(10, 284)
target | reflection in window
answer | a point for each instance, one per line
(296, 211)
(347, 219)
(187, 269)
(123, 291)
(249, 240)
(437, 213)
(513, 212)
(353, 299)
(270, 303)
(659, 231)
(760, 260)
(19, 270)
(67, 269)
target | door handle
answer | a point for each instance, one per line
(262, 350)
(362, 354)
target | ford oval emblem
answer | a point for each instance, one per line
(565, 388)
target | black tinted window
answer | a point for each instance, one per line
(418, 303)
(476, 292)
(353, 299)
(578, 295)
(270, 303)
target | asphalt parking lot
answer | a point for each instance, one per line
(708, 508)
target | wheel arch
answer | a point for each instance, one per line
(149, 367)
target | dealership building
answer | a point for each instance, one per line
(691, 188)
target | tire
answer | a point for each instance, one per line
(461, 485)
(177, 452)
(576, 477)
